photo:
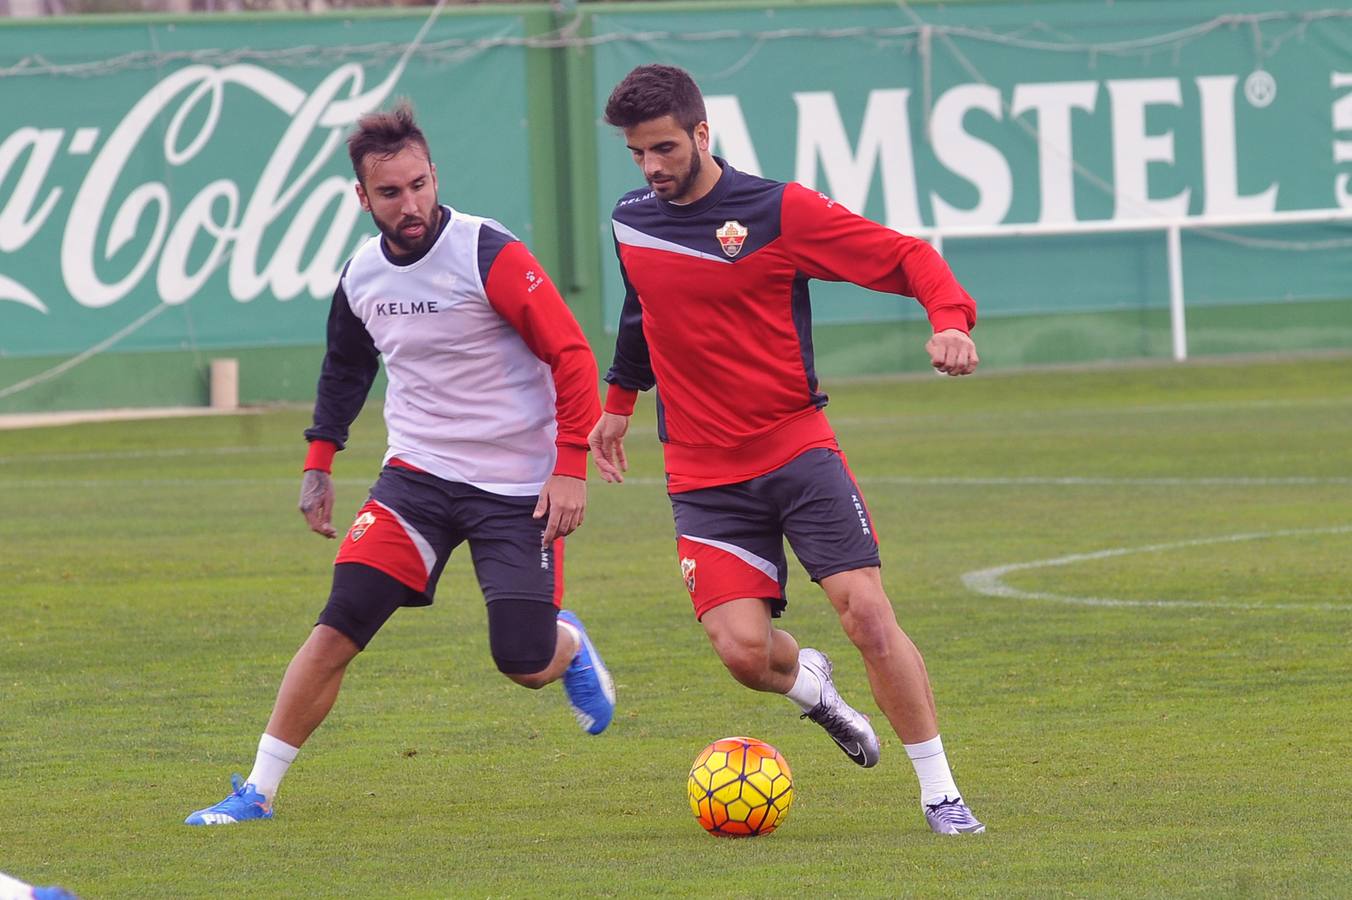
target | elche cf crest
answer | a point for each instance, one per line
(688, 573)
(732, 235)
(363, 522)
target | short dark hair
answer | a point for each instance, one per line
(652, 91)
(383, 134)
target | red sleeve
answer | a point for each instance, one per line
(320, 455)
(521, 292)
(831, 243)
(621, 400)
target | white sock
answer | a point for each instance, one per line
(577, 635)
(14, 888)
(807, 690)
(931, 767)
(273, 759)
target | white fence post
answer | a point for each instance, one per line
(224, 384)
(1177, 321)
(1172, 228)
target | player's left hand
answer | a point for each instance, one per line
(564, 500)
(952, 352)
(316, 502)
(607, 446)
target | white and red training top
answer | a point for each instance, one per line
(491, 380)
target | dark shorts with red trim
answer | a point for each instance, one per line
(413, 520)
(730, 538)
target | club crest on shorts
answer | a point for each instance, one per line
(732, 235)
(688, 573)
(363, 522)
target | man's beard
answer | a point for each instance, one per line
(402, 245)
(686, 181)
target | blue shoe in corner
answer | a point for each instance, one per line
(243, 804)
(587, 682)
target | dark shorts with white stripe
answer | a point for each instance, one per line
(402, 537)
(730, 538)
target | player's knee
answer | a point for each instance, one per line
(330, 647)
(870, 625)
(748, 661)
(748, 670)
(525, 666)
(521, 636)
(874, 641)
(533, 680)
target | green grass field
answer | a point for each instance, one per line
(1143, 680)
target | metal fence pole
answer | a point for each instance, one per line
(1177, 322)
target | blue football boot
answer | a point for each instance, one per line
(587, 682)
(243, 804)
(52, 893)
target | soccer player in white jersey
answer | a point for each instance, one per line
(492, 391)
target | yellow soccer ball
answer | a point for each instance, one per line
(740, 787)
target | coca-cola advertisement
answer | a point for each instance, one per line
(171, 186)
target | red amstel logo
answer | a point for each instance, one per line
(732, 235)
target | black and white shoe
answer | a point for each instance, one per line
(952, 817)
(848, 727)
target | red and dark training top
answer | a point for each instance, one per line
(717, 316)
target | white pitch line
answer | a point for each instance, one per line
(990, 583)
(1073, 411)
(917, 481)
(162, 453)
(297, 448)
(1095, 481)
(48, 484)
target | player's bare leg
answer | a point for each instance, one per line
(757, 654)
(766, 658)
(896, 671)
(901, 687)
(310, 685)
(308, 691)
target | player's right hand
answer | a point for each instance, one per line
(952, 352)
(607, 446)
(316, 502)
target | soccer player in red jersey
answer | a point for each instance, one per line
(716, 316)
(492, 388)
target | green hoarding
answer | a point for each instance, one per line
(202, 167)
(184, 185)
(1088, 121)
(177, 189)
